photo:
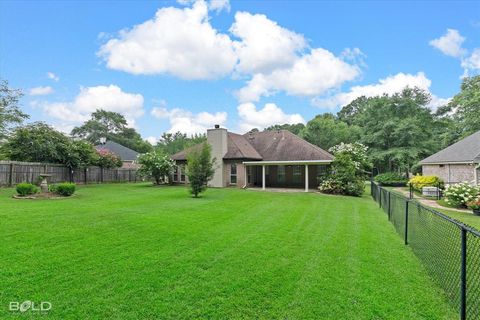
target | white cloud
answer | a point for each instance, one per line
(152, 140)
(40, 91)
(269, 115)
(388, 85)
(264, 45)
(110, 98)
(219, 5)
(180, 42)
(53, 76)
(472, 62)
(312, 74)
(450, 43)
(188, 122)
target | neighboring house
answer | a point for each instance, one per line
(128, 156)
(276, 159)
(456, 163)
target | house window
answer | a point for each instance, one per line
(281, 174)
(175, 174)
(297, 174)
(182, 173)
(233, 173)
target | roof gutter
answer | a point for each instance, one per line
(285, 162)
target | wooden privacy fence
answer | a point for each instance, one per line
(13, 172)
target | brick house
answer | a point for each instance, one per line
(456, 163)
(277, 159)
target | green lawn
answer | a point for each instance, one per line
(133, 251)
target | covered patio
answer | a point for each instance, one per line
(298, 174)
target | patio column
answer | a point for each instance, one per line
(306, 178)
(245, 168)
(263, 177)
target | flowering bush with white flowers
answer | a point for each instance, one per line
(348, 170)
(458, 195)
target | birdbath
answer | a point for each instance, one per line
(44, 184)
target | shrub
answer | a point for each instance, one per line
(65, 189)
(474, 205)
(108, 160)
(155, 165)
(418, 182)
(391, 179)
(25, 189)
(459, 194)
(347, 174)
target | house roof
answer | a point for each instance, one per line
(465, 150)
(282, 145)
(126, 154)
(240, 148)
(182, 155)
(279, 145)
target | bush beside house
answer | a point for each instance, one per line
(348, 170)
(418, 182)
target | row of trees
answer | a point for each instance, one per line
(39, 142)
(400, 129)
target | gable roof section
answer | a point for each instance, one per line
(465, 150)
(282, 145)
(240, 148)
(126, 154)
(182, 155)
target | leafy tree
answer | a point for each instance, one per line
(113, 126)
(399, 129)
(79, 154)
(464, 109)
(199, 169)
(327, 131)
(10, 113)
(108, 160)
(293, 128)
(171, 143)
(38, 142)
(155, 165)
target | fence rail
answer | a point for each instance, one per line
(14, 172)
(449, 249)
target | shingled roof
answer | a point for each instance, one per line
(464, 151)
(126, 154)
(240, 148)
(182, 155)
(278, 145)
(282, 145)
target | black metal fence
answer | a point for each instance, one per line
(449, 249)
(13, 172)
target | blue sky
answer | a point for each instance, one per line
(188, 65)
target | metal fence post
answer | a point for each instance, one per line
(463, 276)
(406, 221)
(411, 192)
